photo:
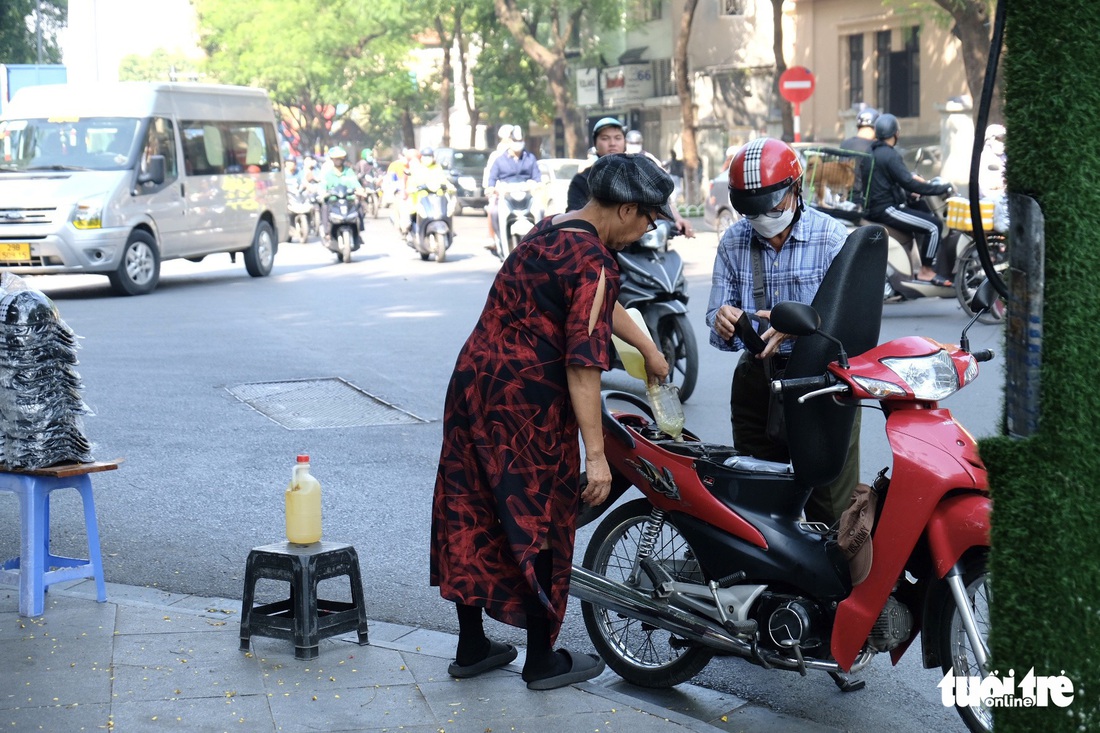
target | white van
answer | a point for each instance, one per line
(115, 178)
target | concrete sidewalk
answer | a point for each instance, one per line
(147, 660)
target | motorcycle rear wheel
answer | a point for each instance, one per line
(956, 652)
(677, 342)
(639, 653)
(970, 275)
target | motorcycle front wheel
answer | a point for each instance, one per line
(301, 227)
(373, 203)
(956, 650)
(439, 246)
(344, 239)
(677, 342)
(641, 654)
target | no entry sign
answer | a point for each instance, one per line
(796, 84)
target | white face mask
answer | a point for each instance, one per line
(767, 227)
(517, 147)
(633, 148)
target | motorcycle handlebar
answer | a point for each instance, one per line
(983, 355)
(783, 385)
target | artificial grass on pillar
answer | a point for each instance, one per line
(1046, 490)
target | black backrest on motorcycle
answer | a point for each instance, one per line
(849, 302)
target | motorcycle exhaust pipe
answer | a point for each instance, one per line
(602, 591)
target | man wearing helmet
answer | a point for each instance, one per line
(888, 199)
(788, 248)
(861, 143)
(504, 139)
(427, 177)
(340, 174)
(609, 136)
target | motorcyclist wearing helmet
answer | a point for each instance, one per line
(516, 165)
(861, 143)
(340, 174)
(428, 177)
(794, 245)
(504, 139)
(366, 169)
(609, 136)
(888, 200)
(634, 145)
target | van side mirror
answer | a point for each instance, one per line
(153, 171)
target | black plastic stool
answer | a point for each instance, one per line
(303, 618)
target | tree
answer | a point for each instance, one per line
(558, 23)
(19, 30)
(160, 65)
(972, 28)
(687, 101)
(319, 59)
(780, 66)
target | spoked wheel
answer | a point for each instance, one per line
(439, 246)
(726, 219)
(971, 275)
(641, 654)
(956, 650)
(344, 239)
(677, 342)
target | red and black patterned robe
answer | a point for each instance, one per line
(510, 462)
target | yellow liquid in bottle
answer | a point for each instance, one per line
(303, 508)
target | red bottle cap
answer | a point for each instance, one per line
(303, 458)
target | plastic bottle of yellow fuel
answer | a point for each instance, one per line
(632, 359)
(303, 505)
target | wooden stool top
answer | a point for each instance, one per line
(65, 470)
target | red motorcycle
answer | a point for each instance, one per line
(716, 558)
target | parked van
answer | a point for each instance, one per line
(116, 178)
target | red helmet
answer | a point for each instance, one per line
(761, 173)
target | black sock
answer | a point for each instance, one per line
(541, 662)
(473, 645)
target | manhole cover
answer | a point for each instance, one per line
(306, 404)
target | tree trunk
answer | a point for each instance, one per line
(408, 130)
(553, 63)
(445, 83)
(687, 103)
(780, 67)
(972, 28)
(472, 112)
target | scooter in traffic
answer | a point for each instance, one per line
(715, 557)
(343, 222)
(652, 280)
(517, 214)
(432, 231)
(371, 196)
(301, 208)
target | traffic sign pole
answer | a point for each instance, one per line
(797, 121)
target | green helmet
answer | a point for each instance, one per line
(365, 154)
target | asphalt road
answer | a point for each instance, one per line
(204, 473)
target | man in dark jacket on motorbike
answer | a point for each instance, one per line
(887, 198)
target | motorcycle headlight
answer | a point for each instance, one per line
(467, 182)
(88, 213)
(931, 377)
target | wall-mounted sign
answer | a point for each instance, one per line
(588, 87)
(626, 84)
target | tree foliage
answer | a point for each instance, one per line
(321, 59)
(160, 65)
(18, 34)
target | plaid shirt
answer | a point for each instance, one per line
(794, 272)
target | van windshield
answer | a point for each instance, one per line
(77, 143)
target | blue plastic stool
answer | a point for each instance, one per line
(34, 569)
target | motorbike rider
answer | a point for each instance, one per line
(366, 169)
(795, 246)
(517, 165)
(861, 143)
(340, 174)
(428, 177)
(291, 175)
(609, 136)
(504, 135)
(634, 146)
(888, 203)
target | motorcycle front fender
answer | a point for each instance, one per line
(958, 524)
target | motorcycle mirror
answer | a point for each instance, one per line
(983, 300)
(796, 319)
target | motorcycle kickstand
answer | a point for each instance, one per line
(847, 685)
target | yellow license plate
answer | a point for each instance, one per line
(15, 252)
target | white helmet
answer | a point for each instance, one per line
(505, 132)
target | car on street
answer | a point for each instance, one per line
(465, 167)
(556, 175)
